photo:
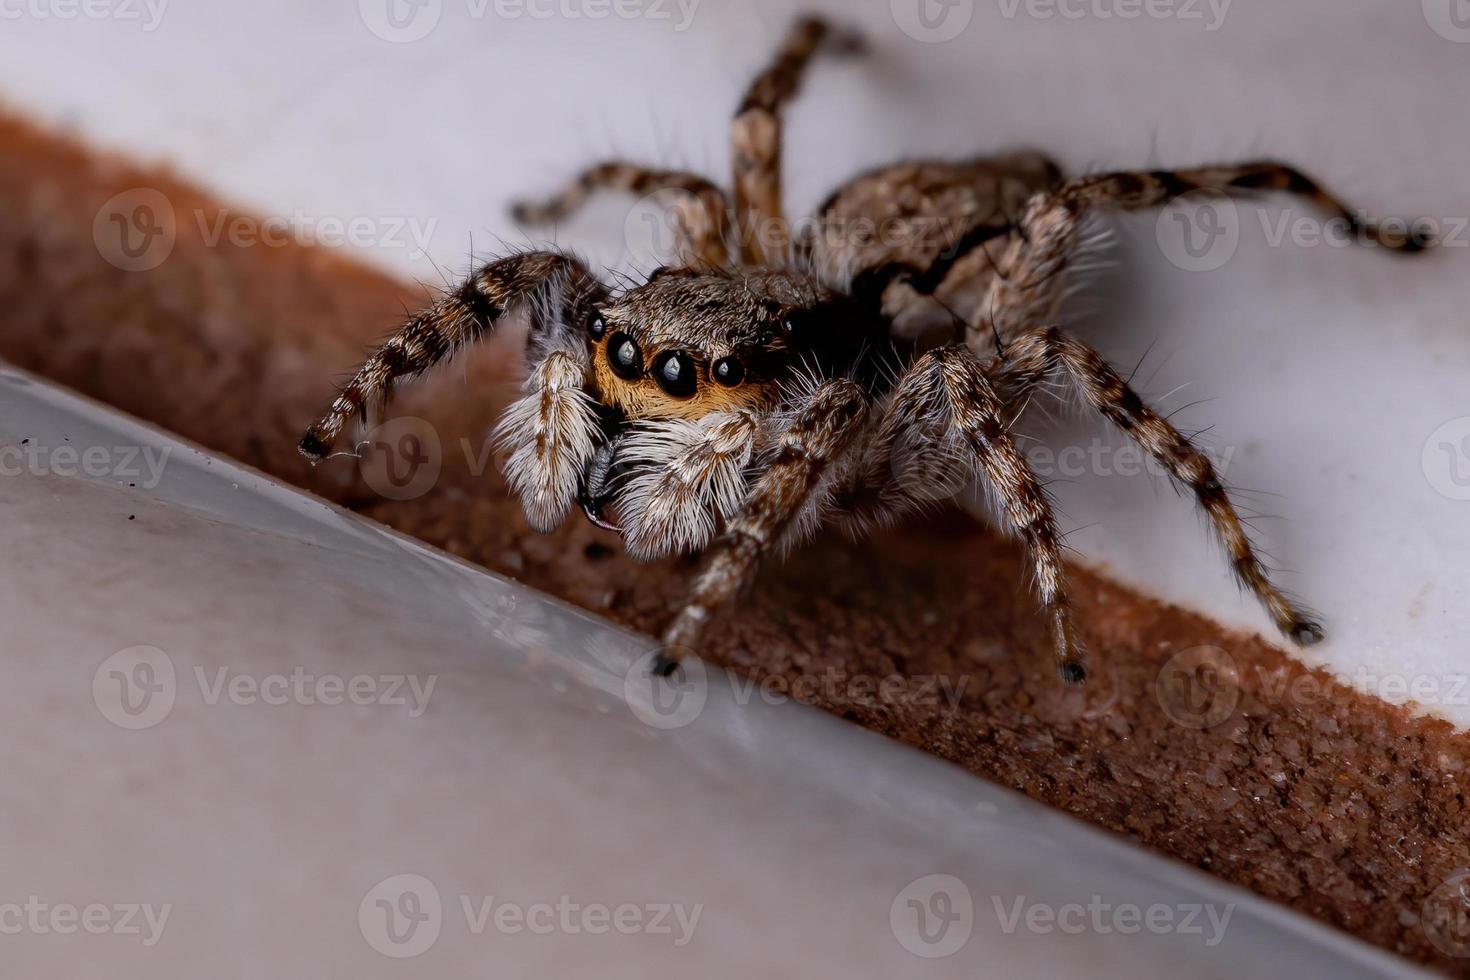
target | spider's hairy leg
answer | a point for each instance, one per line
(701, 210)
(687, 478)
(785, 500)
(554, 417)
(1029, 281)
(945, 420)
(1268, 175)
(755, 138)
(1035, 356)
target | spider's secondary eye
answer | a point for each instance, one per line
(596, 325)
(676, 374)
(624, 357)
(728, 371)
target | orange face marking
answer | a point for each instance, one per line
(642, 398)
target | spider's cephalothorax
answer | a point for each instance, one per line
(765, 385)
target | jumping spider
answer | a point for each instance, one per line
(770, 382)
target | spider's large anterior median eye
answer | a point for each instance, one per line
(675, 373)
(728, 371)
(596, 325)
(624, 357)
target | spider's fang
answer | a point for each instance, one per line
(593, 509)
(1073, 673)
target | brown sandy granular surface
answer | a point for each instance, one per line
(1338, 805)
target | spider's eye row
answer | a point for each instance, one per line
(596, 325)
(624, 357)
(675, 373)
(728, 371)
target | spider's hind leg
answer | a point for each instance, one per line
(700, 210)
(1030, 276)
(1029, 360)
(755, 138)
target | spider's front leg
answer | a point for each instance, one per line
(944, 425)
(552, 430)
(701, 211)
(785, 501)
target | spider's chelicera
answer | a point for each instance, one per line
(770, 382)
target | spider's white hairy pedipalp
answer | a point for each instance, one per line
(552, 433)
(688, 477)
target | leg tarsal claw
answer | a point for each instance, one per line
(666, 664)
(1307, 634)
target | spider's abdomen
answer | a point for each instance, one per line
(910, 234)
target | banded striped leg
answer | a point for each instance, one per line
(1030, 275)
(700, 212)
(785, 502)
(755, 140)
(1032, 358)
(944, 426)
(552, 429)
